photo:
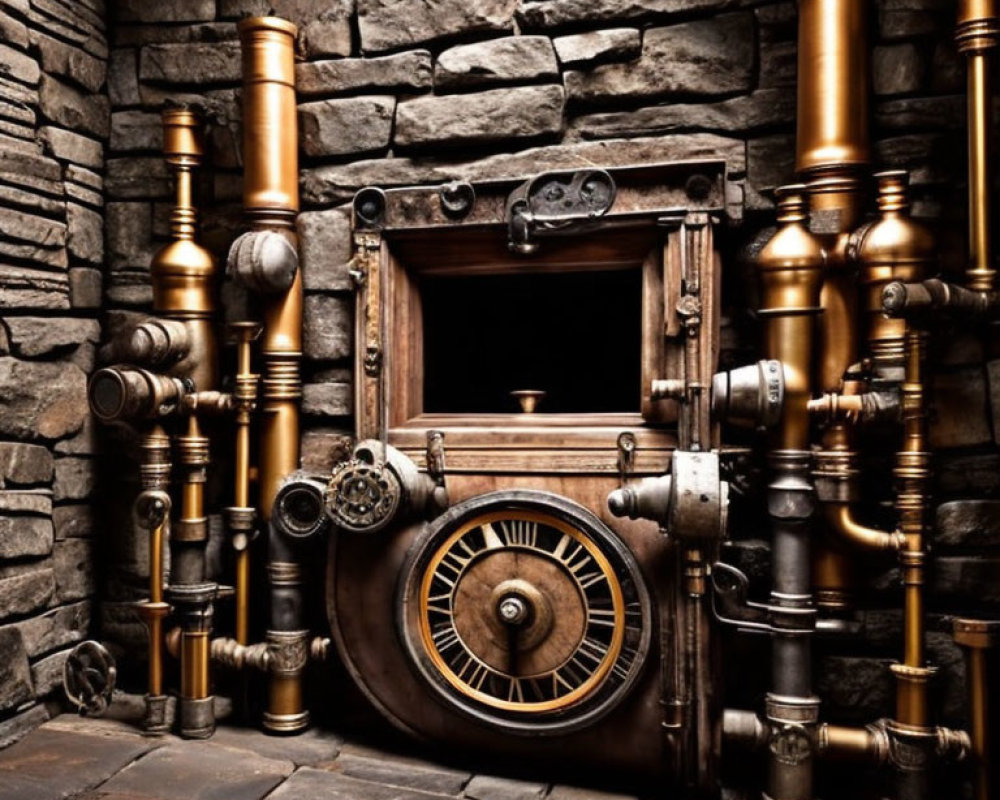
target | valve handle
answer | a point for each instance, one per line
(89, 676)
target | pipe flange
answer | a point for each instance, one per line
(197, 717)
(288, 652)
(155, 722)
(264, 261)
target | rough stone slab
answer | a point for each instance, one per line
(327, 399)
(972, 523)
(930, 158)
(409, 71)
(764, 108)
(71, 146)
(24, 464)
(71, 62)
(322, 448)
(488, 787)
(382, 28)
(598, 47)
(969, 475)
(26, 501)
(74, 569)
(314, 784)
(129, 234)
(18, 66)
(83, 195)
(73, 521)
(498, 114)
(21, 287)
(861, 688)
(75, 478)
(135, 177)
(47, 673)
(13, 196)
(337, 183)
(347, 126)
(136, 130)
(198, 771)
(32, 170)
(897, 23)
(70, 108)
(706, 57)
(947, 69)
(20, 725)
(28, 592)
(328, 328)
(770, 163)
(36, 336)
(305, 749)
(778, 66)
(15, 675)
(963, 416)
(13, 31)
(935, 113)
(966, 579)
(123, 77)
(898, 69)
(54, 629)
(41, 400)
(21, 537)
(85, 442)
(192, 63)
(35, 767)
(85, 288)
(41, 231)
(325, 249)
(371, 765)
(174, 11)
(510, 59)
(557, 13)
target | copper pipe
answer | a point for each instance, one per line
(832, 85)
(977, 33)
(271, 203)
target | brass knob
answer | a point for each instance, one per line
(528, 399)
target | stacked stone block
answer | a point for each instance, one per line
(54, 114)
(399, 92)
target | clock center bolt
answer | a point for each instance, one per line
(513, 610)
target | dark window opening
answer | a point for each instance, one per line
(577, 336)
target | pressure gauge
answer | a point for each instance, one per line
(524, 611)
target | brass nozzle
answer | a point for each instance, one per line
(183, 137)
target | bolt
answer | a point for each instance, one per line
(513, 610)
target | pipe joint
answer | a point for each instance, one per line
(869, 407)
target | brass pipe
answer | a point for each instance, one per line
(977, 33)
(271, 204)
(241, 517)
(184, 276)
(912, 473)
(841, 520)
(977, 637)
(843, 743)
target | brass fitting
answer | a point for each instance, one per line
(126, 393)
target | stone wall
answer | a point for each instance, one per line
(53, 126)
(397, 92)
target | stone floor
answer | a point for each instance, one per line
(107, 759)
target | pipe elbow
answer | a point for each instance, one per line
(840, 518)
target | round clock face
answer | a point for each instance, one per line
(523, 610)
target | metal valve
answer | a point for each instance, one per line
(264, 261)
(750, 396)
(89, 676)
(129, 393)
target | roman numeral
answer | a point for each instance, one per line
(519, 532)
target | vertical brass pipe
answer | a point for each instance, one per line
(271, 203)
(241, 516)
(152, 511)
(977, 33)
(977, 637)
(184, 276)
(832, 153)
